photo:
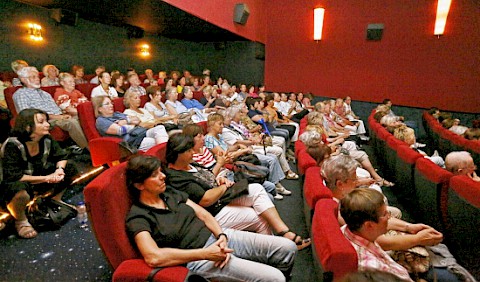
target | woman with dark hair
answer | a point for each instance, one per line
(169, 229)
(78, 72)
(250, 212)
(33, 163)
(118, 81)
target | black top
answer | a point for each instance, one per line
(14, 167)
(176, 227)
(252, 113)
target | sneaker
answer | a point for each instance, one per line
(278, 197)
(282, 190)
(419, 145)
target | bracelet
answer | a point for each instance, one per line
(218, 236)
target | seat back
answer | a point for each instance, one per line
(87, 119)
(404, 187)
(332, 251)
(158, 151)
(313, 190)
(463, 222)
(108, 203)
(8, 92)
(431, 187)
(86, 89)
(304, 161)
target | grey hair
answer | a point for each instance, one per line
(311, 138)
(231, 111)
(23, 73)
(170, 91)
(340, 168)
(128, 95)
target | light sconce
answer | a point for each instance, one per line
(144, 50)
(443, 7)
(35, 32)
(318, 14)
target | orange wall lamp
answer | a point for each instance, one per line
(443, 7)
(318, 14)
(35, 32)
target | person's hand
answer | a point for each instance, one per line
(429, 237)
(415, 228)
(121, 122)
(219, 252)
(222, 158)
(54, 178)
(365, 181)
(65, 117)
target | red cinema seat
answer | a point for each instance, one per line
(463, 222)
(299, 146)
(158, 151)
(431, 188)
(404, 187)
(108, 203)
(313, 190)
(333, 253)
(304, 161)
(103, 150)
(86, 89)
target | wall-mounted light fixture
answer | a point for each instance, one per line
(144, 50)
(443, 6)
(318, 14)
(35, 32)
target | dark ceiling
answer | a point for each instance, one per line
(153, 16)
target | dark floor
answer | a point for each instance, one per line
(73, 254)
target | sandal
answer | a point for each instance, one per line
(291, 175)
(299, 241)
(385, 183)
(25, 230)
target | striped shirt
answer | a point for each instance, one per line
(205, 158)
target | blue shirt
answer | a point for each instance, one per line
(192, 103)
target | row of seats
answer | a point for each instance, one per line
(446, 141)
(432, 194)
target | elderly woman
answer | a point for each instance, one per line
(116, 124)
(215, 142)
(132, 108)
(407, 135)
(67, 97)
(174, 107)
(51, 76)
(253, 211)
(169, 229)
(104, 88)
(33, 163)
(155, 105)
(190, 103)
(78, 72)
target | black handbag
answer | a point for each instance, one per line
(252, 173)
(249, 158)
(47, 214)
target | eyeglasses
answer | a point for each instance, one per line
(107, 104)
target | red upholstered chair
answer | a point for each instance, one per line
(204, 125)
(108, 203)
(303, 124)
(197, 95)
(390, 152)
(333, 253)
(158, 151)
(404, 187)
(103, 150)
(304, 161)
(463, 222)
(313, 190)
(86, 89)
(299, 146)
(431, 187)
(57, 133)
(381, 144)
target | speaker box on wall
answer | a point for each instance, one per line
(135, 32)
(241, 13)
(375, 32)
(62, 16)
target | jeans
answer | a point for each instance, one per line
(276, 172)
(256, 257)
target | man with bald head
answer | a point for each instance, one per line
(461, 163)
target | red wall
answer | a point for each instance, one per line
(220, 13)
(409, 65)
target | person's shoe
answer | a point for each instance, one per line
(282, 190)
(364, 138)
(76, 150)
(419, 145)
(278, 197)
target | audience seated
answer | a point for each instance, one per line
(116, 124)
(473, 133)
(98, 71)
(17, 65)
(32, 97)
(78, 72)
(253, 211)
(149, 77)
(118, 82)
(197, 240)
(157, 108)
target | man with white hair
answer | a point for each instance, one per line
(461, 163)
(32, 97)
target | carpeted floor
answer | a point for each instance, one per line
(73, 254)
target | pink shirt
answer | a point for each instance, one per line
(205, 159)
(372, 257)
